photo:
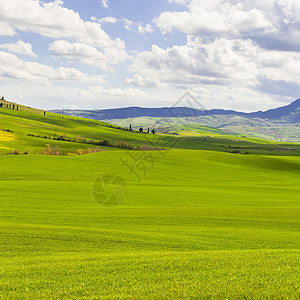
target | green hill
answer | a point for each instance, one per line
(193, 222)
(29, 131)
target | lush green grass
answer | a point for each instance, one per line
(196, 223)
(22, 124)
(200, 224)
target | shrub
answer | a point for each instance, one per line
(145, 147)
(53, 151)
(15, 152)
(105, 143)
(87, 151)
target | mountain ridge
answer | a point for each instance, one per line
(290, 112)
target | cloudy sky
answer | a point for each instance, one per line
(94, 54)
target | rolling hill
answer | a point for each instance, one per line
(280, 124)
(198, 220)
(31, 130)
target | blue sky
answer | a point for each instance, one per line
(95, 54)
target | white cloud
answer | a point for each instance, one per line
(219, 65)
(105, 3)
(12, 67)
(215, 17)
(215, 62)
(20, 48)
(142, 29)
(273, 24)
(129, 25)
(88, 54)
(137, 26)
(6, 30)
(53, 20)
(110, 20)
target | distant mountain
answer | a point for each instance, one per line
(289, 113)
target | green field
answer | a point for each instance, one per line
(197, 222)
(25, 131)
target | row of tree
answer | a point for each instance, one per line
(9, 106)
(141, 129)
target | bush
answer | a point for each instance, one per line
(15, 152)
(86, 151)
(145, 147)
(53, 151)
(105, 143)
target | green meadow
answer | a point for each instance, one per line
(197, 222)
(30, 132)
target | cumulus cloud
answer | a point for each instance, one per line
(273, 24)
(142, 29)
(12, 67)
(197, 61)
(79, 40)
(54, 21)
(20, 48)
(137, 26)
(229, 65)
(215, 17)
(88, 54)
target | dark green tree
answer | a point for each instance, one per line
(141, 130)
(153, 131)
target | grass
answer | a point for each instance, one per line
(197, 222)
(229, 228)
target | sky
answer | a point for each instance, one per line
(97, 54)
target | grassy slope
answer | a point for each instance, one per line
(227, 228)
(23, 123)
(199, 224)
